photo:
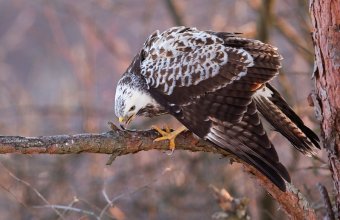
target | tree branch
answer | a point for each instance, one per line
(117, 142)
(325, 16)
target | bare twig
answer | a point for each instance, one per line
(97, 31)
(110, 202)
(327, 202)
(265, 18)
(176, 17)
(68, 208)
(74, 201)
(34, 190)
(294, 38)
(127, 142)
(13, 195)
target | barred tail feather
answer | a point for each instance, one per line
(273, 170)
(283, 119)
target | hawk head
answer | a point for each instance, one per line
(133, 99)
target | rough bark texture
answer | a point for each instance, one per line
(117, 143)
(326, 36)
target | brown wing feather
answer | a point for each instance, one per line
(219, 107)
(246, 139)
(284, 120)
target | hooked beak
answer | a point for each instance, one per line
(123, 121)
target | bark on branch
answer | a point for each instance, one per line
(118, 142)
(326, 37)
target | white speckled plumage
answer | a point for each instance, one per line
(216, 85)
(181, 58)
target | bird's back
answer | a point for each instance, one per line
(212, 82)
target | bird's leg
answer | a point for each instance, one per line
(169, 135)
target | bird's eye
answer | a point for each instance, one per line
(132, 108)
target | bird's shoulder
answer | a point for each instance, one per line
(179, 40)
(184, 57)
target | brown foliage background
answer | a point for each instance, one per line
(59, 64)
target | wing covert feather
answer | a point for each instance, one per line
(207, 81)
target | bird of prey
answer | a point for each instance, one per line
(216, 85)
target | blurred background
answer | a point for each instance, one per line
(59, 65)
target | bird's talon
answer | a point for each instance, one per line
(172, 147)
(161, 138)
(169, 135)
(172, 144)
(163, 133)
(167, 129)
(170, 152)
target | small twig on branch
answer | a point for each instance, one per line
(120, 143)
(232, 208)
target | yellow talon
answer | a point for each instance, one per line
(169, 135)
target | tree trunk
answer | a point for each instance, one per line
(326, 36)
